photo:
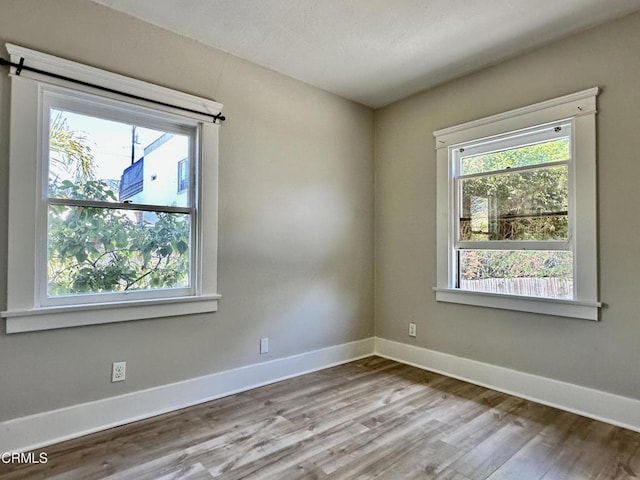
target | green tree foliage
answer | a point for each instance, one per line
(529, 205)
(97, 250)
(536, 154)
(70, 154)
(481, 264)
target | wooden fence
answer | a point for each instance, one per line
(534, 287)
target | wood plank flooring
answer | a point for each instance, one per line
(373, 418)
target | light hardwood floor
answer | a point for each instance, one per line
(373, 418)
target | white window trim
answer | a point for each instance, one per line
(579, 107)
(24, 311)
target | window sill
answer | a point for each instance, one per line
(49, 318)
(545, 306)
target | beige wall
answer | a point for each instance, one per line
(604, 355)
(296, 217)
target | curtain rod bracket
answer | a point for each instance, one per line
(20, 65)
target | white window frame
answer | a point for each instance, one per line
(578, 109)
(31, 93)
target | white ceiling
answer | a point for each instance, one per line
(374, 51)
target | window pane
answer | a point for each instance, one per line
(526, 205)
(553, 151)
(100, 250)
(531, 273)
(95, 159)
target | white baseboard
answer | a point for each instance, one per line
(588, 402)
(42, 429)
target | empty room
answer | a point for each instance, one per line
(319, 239)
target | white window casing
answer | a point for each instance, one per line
(30, 93)
(577, 110)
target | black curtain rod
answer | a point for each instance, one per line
(21, 66)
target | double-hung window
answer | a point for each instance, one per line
(108, 219)
(516, 202)
(100, 246)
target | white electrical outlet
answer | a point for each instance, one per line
(118, 371)
(412, 330)
(264, 345)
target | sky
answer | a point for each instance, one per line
(110, 141)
